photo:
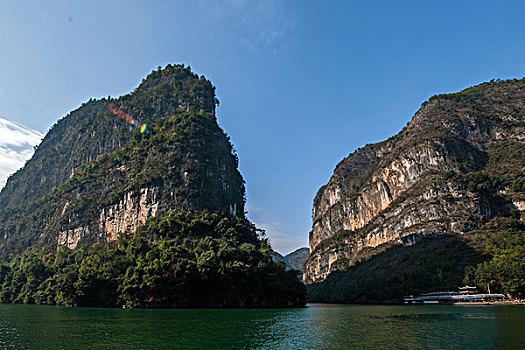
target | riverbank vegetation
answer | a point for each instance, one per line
(503, 242)
(181, 260)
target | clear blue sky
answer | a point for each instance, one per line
(301, 83)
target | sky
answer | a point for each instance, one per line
(301, 83)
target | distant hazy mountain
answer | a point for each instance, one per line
(278, 257)
(16, 146)
(297, 258)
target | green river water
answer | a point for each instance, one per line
(315, 327)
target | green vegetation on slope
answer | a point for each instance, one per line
(504, 243)
(181, 260)
(103, 169)
(94, 129)
(493, 254)
(98, 154)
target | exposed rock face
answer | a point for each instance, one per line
(133, 210)
(70, 238)
(112, 164)
(444, 173)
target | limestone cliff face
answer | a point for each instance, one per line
(125, 216)
(109, 166)
(445, 172)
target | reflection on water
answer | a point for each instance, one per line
(316, 327)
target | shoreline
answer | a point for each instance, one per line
(510, 302)
(476, 303)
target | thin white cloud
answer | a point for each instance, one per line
(16, 147)
(13, 134)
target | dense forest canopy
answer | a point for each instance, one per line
(182, 260)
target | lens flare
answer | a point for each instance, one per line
(121, 114)
(143, 128)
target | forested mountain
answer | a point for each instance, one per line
(449, 188)
(137, 201)
(114, 163)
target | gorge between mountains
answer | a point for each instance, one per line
(137, 201)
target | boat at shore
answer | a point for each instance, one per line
(465, 294)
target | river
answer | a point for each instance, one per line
(316, 327)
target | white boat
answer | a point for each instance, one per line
(466, 294)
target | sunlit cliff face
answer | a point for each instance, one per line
(16, 146)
